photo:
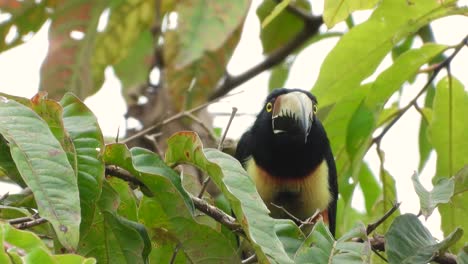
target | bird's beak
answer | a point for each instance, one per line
(293, 113)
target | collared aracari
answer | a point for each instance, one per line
(288, 156)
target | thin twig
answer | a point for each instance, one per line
(233, 114)
(220, 147)
(173, 118)
(249, 260)
(4, 196)
(373, 226)
(123, 175)
(217, 214)
(200, 204)
(174, 254)
(444, 64)
(32, 223)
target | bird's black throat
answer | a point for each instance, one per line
(286, 155)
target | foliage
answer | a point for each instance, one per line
(113, 203)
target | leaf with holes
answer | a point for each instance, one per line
(191, 85)
(44, 166)
(25, 17)
(72, 35)
(126, 41)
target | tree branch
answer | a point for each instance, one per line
(436, 70)
(311, 26)
(373, 226)
(212, 211)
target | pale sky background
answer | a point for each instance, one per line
(19, 75)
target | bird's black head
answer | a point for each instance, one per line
(289, 114)
(289, 139)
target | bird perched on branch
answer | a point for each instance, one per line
(288, 156)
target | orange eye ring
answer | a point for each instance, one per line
(269, 107)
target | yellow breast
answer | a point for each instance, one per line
(301, 197)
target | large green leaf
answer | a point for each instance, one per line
(7, 165)
(408, 241)
(429, 200)
(320, 247)
(239, 189)
(44, 166)
(84, 131)
(26, 244)
(126, 39)
(134, 69)
(359, 52)
(192, 84)
(448, 136)
(425, 146)
(169, 209)
(26, 17)
(111, 238)
(462, 257)
(369, 186)
(336, 11)
(67, 66)
(203, 26)
(282, 28)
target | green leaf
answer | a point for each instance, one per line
(7, 165)
(429, 200)
(336, 11)
(425, 146)
(402, 70)
(134, 68)
(67, 66)
(32, 249)
(359, 129)
(461, 180)
(126, 42)
(26, 17)
(127, 206)
(279, 75)
(276, 11)
(84, 131)
(447, 133)
(360, 51)
(192, 84)
(462, 257)
(320, 247)
(51, 112)
(280, 30)
(174, 212)
(112, 239)
(448, 127)
(369, 186)
(44, 167)
(386, 201)
(228, 174)
(408, 241)
(203, 26)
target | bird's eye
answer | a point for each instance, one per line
(315, 108)
(269, 107)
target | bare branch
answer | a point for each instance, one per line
(32, 223)
(373, 226)
(311, 26)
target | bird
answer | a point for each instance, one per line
(288, 155)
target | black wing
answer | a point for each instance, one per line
(243, 150)
(333, 184)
